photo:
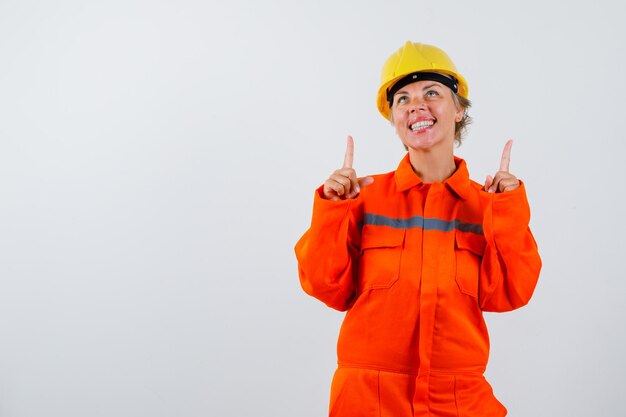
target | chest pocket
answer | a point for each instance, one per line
(381, 254)
(469, 249)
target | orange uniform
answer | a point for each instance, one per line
(415, 265)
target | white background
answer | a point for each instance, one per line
(157, 165)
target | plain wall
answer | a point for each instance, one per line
(157, 165)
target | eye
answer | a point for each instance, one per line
(432, 93)
(402, 99)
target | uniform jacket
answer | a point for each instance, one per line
(415, 265)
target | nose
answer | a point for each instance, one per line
(417, 105)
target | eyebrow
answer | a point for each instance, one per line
(431, 86)
(426, 87)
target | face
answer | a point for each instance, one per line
(424, 115)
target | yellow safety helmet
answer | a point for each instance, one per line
(417, 58)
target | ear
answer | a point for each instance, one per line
(460, 112)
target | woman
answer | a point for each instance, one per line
(416, 255)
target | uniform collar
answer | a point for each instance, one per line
(458, 183)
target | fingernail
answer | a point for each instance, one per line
(357, 189)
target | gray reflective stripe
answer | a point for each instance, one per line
(469, 227)
(423, 223)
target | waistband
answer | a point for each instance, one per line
(469, 371)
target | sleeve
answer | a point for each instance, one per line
(328, 252)
(510, 265)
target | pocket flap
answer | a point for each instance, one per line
(472, 242)
(381, 237)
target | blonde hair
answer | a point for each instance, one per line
(461, 127)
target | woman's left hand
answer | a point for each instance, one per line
(503, 181)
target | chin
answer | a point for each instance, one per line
(420, 145)
(427, 142)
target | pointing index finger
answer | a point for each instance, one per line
(349, 157)
(506, 156)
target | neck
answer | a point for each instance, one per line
(432, 166)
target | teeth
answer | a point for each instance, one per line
(421, 125)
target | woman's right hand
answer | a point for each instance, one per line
(343, 183)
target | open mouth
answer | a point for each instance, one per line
(421, 125)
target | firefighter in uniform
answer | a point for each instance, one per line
(415, 256)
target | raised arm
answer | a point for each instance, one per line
(511, 263)
(328, 252)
